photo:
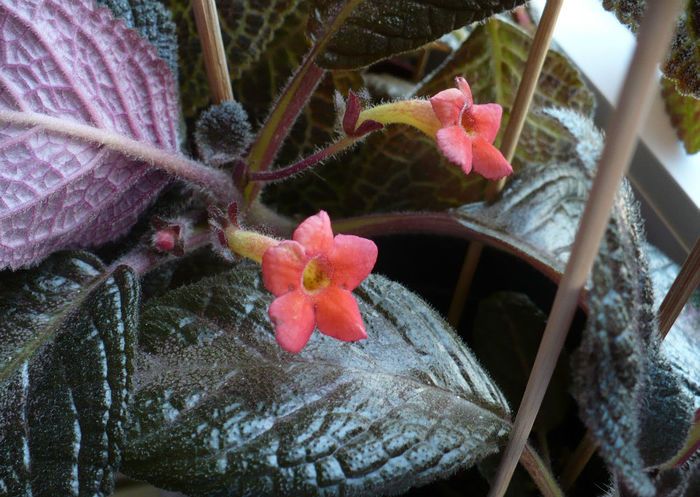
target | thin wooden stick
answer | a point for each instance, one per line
(682, 288)
(652, 42)
(207, 21)
(526, 90)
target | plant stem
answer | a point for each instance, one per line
(526, 90)
(207, 21)
(144, 259)
(279, 174)
(213, 180)
(682, 288)
(287, 108)
(540, 473)
(578, 460)
(652, 41)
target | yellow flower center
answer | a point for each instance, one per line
(316, 275)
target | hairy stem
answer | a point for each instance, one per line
(213, 180)
(540, 473)
(286, 172)
(287, 108)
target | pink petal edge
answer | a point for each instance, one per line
(489, 161)
(352, 259)
(315, 234)
(465, 90)
(283, 266)
(448, 105)
(456, 146)
(292, 315)
(487, 120)
(338, 316)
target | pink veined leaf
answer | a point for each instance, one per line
(71, 60)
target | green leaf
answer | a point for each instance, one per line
(221, 409)
(506, 335)
(380, 28)
(401, 169)
(153, 22)
(684, 112)
(66, 359)
(683, 63)
(247, 29)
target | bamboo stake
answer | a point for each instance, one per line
(526, 90)
(653, 39)
(207, 21)
(682, 288)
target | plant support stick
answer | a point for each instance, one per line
(526, 90)
(653, 40)
(207, 21)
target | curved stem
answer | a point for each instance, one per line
(293, 98)
(214, 180)
(286, 172)
(540, 473)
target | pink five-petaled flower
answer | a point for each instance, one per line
(312, 276)
(468, 131)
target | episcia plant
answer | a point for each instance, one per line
(176, 305)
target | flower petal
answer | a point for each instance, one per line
(293, 317)
(448, 105)
(464, 88)
(456, 145)
(485, 120)
(283, 266)
(338, 316)
(489, 161)
(315, 234)
(352, 259)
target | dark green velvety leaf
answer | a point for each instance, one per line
(683, 62)
(506, 334)
(616, 354)
(377, 29)
(401, 169)
(247, 28)
(66, 359)
(221, 409)
(684, 112)
(153, 21)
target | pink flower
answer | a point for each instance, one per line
(468, 130)
(312, 276)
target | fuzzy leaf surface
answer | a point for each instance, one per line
(221, 409)
(683, 62)
(684, 112)
(400, 168)
(380, 28)
(74, 61)
(67, 346)
(616, 353)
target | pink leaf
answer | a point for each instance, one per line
(75, 62)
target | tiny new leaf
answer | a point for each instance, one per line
(72, 61)
(221, 409)
(67, 340)
(377, 29)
